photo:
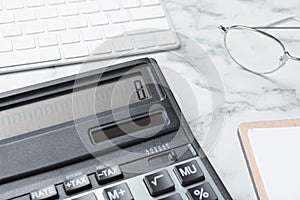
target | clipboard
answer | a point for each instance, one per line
(243, 131)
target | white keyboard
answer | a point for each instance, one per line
(45, 33)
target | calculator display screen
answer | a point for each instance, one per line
(67, 107)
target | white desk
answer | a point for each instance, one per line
(248, 97)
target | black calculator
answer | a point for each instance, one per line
(115, 133)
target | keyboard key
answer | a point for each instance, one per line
(25, 43)
(150, 2)
(49, 192)
(119, 16)
(90, 7)
(147, 13)
(131, 3)
(144, 41)
(159, 183)
(98, 48)
(189, 173)
(47, 40)
(55, 2)
(47, 13)
(119, 192)
(55, 25)
(146, 26)
(91, 196)
(15, 4)
(77, 22)
(98, 19)
(77, 184)
(110, 5)
(34, 27)
(35, 3)
(12, 30)
(204, 192)
(25, 15)
(30, 57)
(68, 10)
(75, 50)
(7, 17)
(122, 44)
(172, 197)
(69, 37)
(92, 34)
(113, 31)
(108, 174)
(5, 46)
(165, 38)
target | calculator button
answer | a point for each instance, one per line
(189, 173)
(173, 197)
(108, 174)
(49, 192)
(119, 192)
(91, 196)
(159, 183)
(203, 192)
(77, 184)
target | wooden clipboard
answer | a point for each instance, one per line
(243, 130)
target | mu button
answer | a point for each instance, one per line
(119, 192)
(77, 184)
(159, 183)
(189, 173)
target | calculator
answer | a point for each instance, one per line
(115, 133)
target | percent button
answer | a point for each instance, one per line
(202, 192)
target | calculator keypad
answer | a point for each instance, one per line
(188, 180)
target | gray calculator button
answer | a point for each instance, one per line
(108, 174)
(189, 173)
(203, 192)
(119, 192)
(91, 196)
(159, 183)
(77, 184)
(49, 192)
(172, 197)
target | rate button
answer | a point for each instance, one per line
(49, 192)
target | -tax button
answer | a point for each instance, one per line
(189, 173)
(108, 174)
(48, 193)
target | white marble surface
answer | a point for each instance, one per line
(248, 97)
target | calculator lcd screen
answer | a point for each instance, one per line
(67, 107)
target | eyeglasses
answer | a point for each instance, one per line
(256, 50)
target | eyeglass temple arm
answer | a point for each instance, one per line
(275, 24)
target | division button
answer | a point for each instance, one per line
(77, 184)
(108, 174)
(189, 173)
(119, 192)
(159, 183)
(49, 192)
(172, 197)
(91, 196)
(203, 192)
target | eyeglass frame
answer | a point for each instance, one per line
(283, 59)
